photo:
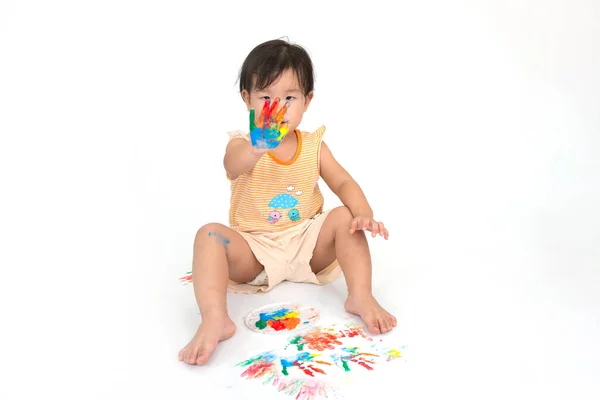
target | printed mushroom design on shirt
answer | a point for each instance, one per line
(284, 201)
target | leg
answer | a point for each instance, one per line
(219, 253)
(352, 252)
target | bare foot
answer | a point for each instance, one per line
(377, 319)
(212, 330)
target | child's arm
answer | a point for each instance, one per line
(241, 156)
(349, 192)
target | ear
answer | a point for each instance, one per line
(307, 100)
(246, 98)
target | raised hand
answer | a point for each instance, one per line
(269, 129)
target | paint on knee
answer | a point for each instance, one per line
(223, 240)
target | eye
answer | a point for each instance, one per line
(290, 98)
(265, 98)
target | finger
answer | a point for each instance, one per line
(263, 114)
(274, 106)
(364, 224)
(386, 234)
(353, 225)
(359, 224)
(374, 228)
(252, 120)
(271, 110)
(283, 110)
(380, 228)
(283, 130)
(281, 113)
(265, 109)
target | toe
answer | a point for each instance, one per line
(394, 321)
(373, 326)
(200, 358)
(383, 326)
(205, 353)
(388, 322)
(192, 355)
(181, 355)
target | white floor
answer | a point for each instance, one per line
(488, 125)
(490, 305)
(487, 314)
(493, 322)
(483, 316)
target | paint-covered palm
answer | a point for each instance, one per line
(269, 129)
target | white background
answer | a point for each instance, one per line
(482, 117)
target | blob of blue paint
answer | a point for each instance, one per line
(285, 362)
(224, 241)
(270, 316)
(289, 361)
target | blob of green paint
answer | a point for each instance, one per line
(345, 365)
(260, 324)
(296, 341)
(284, 371)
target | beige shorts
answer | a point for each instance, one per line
(286, 256)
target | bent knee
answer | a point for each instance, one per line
(208, 230)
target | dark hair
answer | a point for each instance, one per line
(267, 61)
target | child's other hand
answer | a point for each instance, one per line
(269, 129)
(369, 224)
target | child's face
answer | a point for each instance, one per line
(287, 89)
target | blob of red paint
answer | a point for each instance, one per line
(319, 370)
(277, 325)
(306, 371)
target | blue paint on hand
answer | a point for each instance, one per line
(265, 138)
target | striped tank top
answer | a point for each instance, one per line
(275, 195)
